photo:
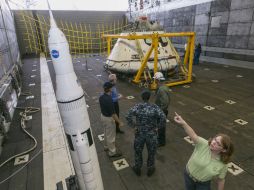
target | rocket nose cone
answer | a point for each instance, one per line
(56, 36)
(52, 23)
(52, 20)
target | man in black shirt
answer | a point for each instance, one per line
(108, 118)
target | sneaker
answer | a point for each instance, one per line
(117, 154)
(137, 171)
(150, 171)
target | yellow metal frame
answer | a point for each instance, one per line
(154, 47)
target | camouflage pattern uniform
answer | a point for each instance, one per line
(162, 99)
(148, 119)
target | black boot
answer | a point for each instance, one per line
(150, 171)
(136, 170)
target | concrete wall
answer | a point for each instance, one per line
(220, 25)
(8, 42)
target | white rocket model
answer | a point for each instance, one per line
(73, 110)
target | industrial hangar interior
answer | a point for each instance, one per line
(56, 60)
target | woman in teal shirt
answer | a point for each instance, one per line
(208, 160)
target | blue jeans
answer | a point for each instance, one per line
(190, 184)
(196, 59)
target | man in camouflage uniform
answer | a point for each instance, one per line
(162, 99)
(148, 119)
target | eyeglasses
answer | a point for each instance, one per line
(218, 143)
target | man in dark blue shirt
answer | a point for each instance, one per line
(108, 118)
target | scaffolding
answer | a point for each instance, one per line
(84, 39)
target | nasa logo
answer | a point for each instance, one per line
(55, 53)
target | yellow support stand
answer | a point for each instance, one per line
(187, 52)
(155, 38)
(109, 45)
(192, 47)
(143, 65)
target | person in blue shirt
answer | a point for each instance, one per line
(197, 53)
(115, 97)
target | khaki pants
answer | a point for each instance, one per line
(108, 124)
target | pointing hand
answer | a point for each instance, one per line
(178, 119)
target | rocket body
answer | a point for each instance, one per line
(73, 110)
